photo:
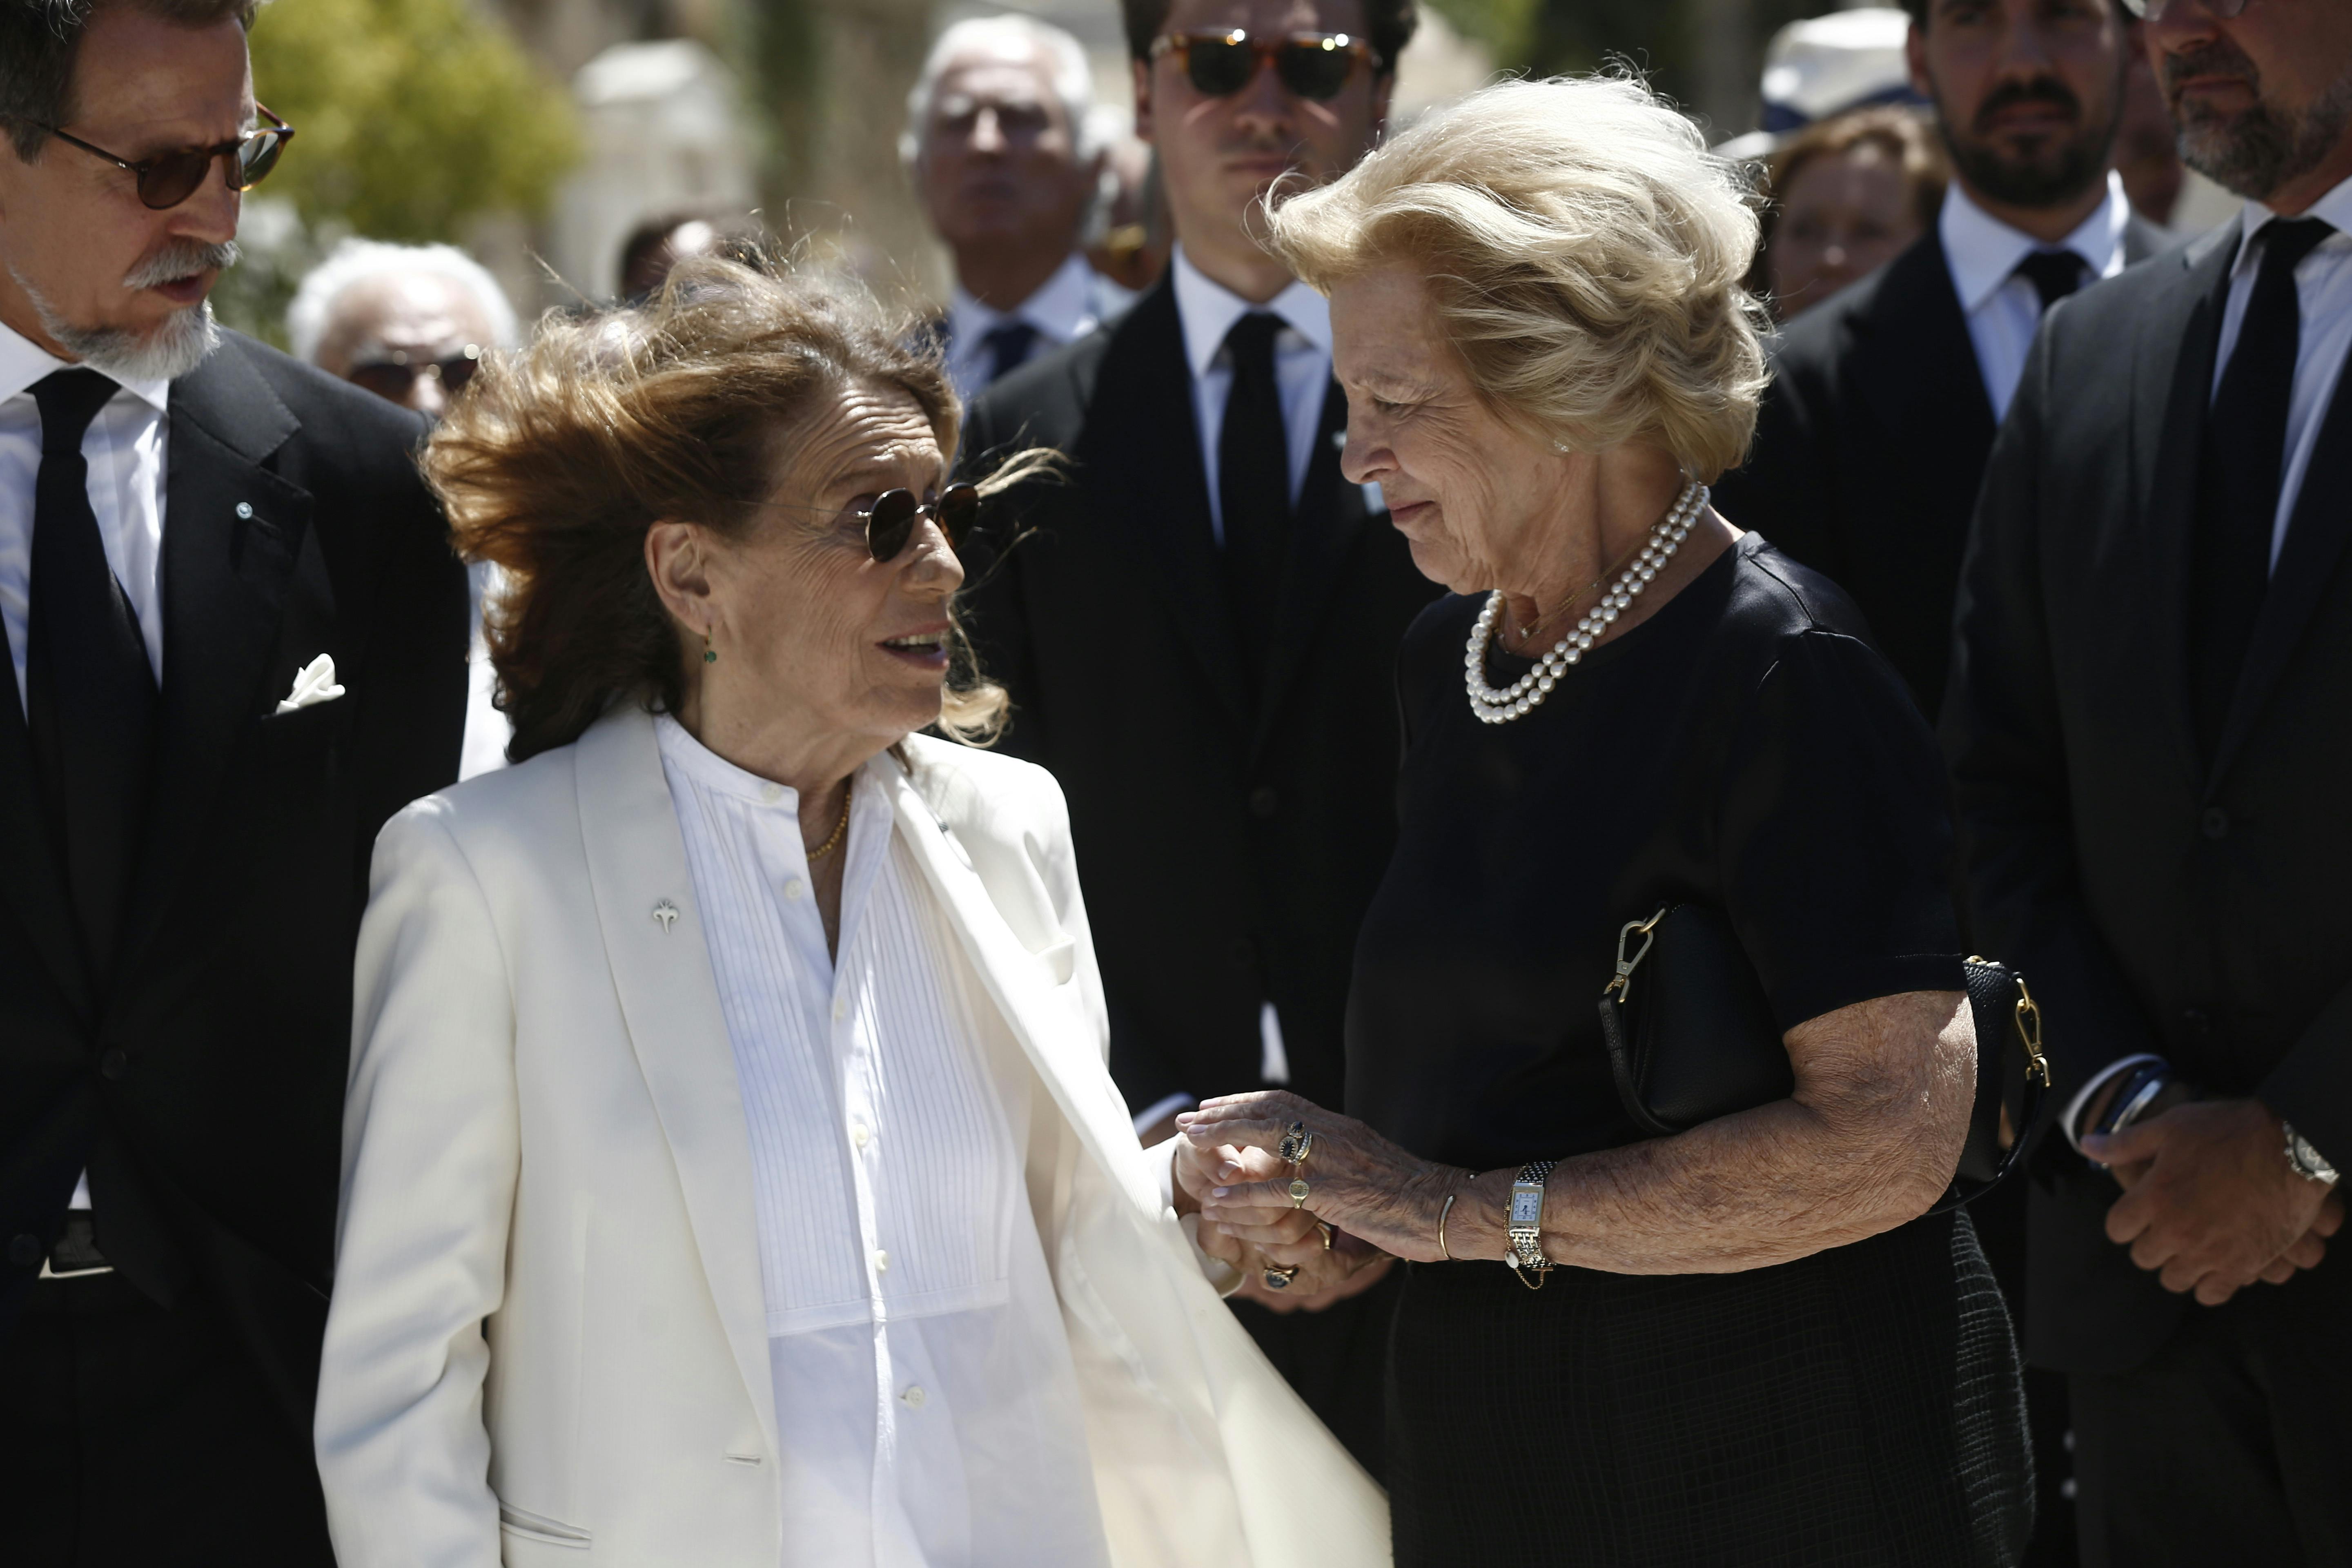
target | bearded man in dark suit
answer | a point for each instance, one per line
(2149, 747)
(237, 639)
(1199, 630)
(1871, 442)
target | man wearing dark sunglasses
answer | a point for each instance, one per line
(237, 641)
(1200, 636)
(2146, 733)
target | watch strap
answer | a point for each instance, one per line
(1526, 1223)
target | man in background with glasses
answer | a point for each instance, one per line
(411, 324)
(1200, 632)
(2146, 726)
(236, 640)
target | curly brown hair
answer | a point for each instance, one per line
(560, 458)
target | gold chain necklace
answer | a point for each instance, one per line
(833, 840)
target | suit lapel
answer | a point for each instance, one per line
(1916, 366)
(233, 533)
(1141, 462)
(669, 1000)
(1054, 1034)
(2173, 385)
(1329, 526)
(2316, 535)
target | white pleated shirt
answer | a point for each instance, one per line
(925, 1397)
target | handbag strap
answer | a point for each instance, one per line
(2005, 1011)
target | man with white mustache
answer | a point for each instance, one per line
(237, 644)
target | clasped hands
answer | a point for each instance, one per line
(1381, 1203)
(2210, 1203)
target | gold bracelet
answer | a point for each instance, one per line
(1441, 1225)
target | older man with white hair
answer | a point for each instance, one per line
(408, 322)
(999, 146)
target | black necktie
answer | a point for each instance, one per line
(1254, 483)
(2238, 475)
(90, 692)
(1008, 344)
(2054, 274)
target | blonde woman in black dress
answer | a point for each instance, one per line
(1755, 1344)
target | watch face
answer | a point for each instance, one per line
(1526, 1207)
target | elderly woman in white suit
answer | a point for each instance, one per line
(731, 1173)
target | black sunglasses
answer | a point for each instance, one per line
(1312, 64)
(169, 178)
(393, 375)
(890, 520)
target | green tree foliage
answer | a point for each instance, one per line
(413, 116)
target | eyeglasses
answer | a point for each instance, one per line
(1312, 64)
(393, 377)
(2154, 10)
(169, 178)
(890, 520)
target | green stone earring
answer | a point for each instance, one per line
(710, 653)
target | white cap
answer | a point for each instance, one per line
(1824, 66)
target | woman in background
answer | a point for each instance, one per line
(1847, 195)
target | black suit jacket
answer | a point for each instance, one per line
(201, 1082)
(1870, 445)
(1229, 836)
(2156, 898)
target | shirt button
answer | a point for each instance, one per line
(840, 1008)
(915, 1398)
(2215, 822)
(881, 1261)
(25, 1251)
(114, 1065)
(1264, 803)
(772, 793)
(793, 889)
(859, 1135)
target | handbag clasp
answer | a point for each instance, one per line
(1624, 984)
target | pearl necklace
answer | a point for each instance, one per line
(1525, 694)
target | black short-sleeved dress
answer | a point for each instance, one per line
(1745, 748)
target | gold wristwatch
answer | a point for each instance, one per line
(1526, 1254)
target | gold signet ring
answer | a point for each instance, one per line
(1299, 1191)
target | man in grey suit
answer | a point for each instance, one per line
(2145, 726)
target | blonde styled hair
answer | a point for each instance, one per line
(557, 460)
(1584, 253)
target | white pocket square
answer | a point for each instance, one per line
(315, 683)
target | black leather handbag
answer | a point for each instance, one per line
(1695, 1039)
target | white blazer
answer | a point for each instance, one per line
(548, 1339)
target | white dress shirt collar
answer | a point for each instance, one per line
(2336, 207)
(23, 362)
(1208, 309)
(1062, 308)
(1983, 252)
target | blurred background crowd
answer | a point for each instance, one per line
(567, 150)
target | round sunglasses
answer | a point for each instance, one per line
(1219, 64)
(169, 178)
(890, 520)
(393, 377)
